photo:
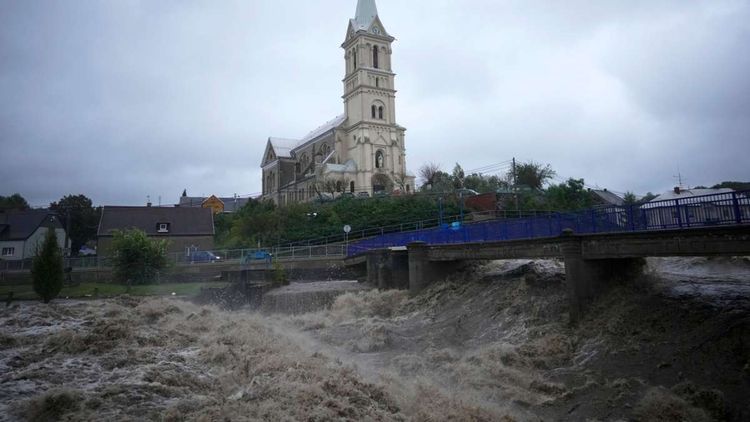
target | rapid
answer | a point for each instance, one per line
(490, 344)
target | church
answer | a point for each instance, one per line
(361, 152)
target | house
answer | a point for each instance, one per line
(217, 204)
(186, 228)
(21, 232)
(683, 207)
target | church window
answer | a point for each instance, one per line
(351, 187)
(338, 186)
(354, 58)
(380, 112)
(374, 111)
(377, 82)
(375, 57)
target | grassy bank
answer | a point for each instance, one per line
(25, 291)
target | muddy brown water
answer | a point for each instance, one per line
(490, 344)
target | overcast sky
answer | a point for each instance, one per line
(124, 99)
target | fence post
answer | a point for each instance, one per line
(679, 214)
(736, 206)
(593, 221)
(631, 216)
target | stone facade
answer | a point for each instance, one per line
(360, 151)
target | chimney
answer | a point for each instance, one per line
(677, 190)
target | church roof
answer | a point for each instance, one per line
(283, 147)
(327, 126)
(367, 11)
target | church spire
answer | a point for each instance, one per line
(367, 11)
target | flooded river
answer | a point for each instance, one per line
(490, 344)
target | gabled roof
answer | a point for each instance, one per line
(20, 225)
(689, 193)
(609, 197)
(183, 221)
(284, 147)
(326, 127)
(231, 204)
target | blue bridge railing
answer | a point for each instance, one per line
(732, 208)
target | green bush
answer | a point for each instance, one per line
(137, 259)
(47, 268)
(279, 275)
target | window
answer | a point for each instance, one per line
(9, 251)
(354, 58)
(375, 57)
(374, 111)
(162, 227)
(338, 186)
(351, 187)
(380, 112)
(377, 82)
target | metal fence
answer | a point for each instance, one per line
(701, 211)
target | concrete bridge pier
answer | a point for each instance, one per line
(388, 268)
(422, 271)
(588, 279)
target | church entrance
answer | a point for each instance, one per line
(381, 183)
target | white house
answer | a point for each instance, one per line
(22, 232)
(686, 207)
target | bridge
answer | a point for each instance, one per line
(599, 246)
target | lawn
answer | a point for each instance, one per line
(25, 291)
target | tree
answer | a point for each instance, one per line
(569, 196)
(532, 175)
(137, 259)
(458, 176)
(648, 198)
(630, 198)
(79, 217)
(13, 202)
(47, 268)
(427, 174)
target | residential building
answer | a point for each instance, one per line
(217, 204)
(22, 232)
(186, 228)
(696, 206)
(363, 149)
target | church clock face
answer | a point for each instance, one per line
(375, 30)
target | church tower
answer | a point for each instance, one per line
(373, 138)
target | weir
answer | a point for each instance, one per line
(593, 263)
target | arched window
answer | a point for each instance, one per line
(351, 187)
(374, 111)
(380, 112)
(375, 57)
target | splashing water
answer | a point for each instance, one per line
(490, 344)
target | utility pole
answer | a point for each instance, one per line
(515, 185)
